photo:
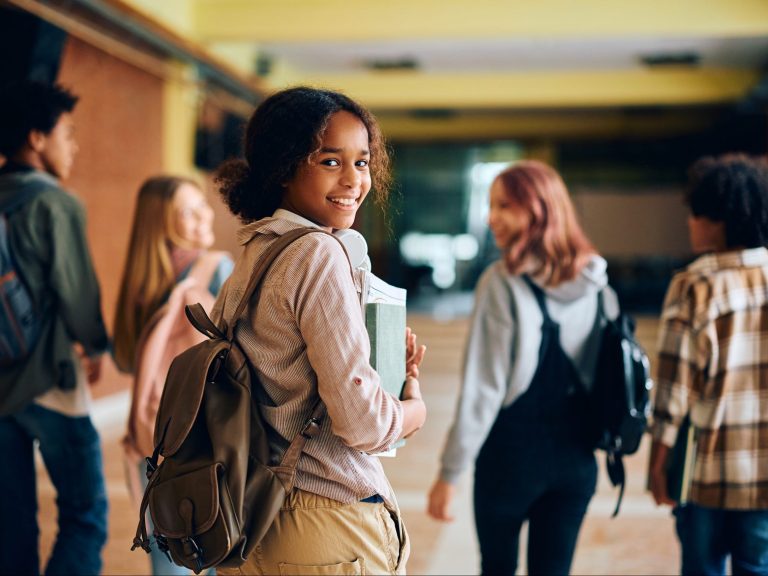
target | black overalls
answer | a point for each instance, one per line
(536, 465)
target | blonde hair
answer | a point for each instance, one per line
(553, 241)
(148, 275)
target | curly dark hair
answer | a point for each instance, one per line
(284, 131)
(732, 189)
(27, 106)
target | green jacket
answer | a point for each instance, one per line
(48, 243)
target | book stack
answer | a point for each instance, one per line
(385, 320)
(680, 463)
(384, 312)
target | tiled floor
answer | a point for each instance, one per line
(640, 541)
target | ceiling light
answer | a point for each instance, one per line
(405, 63)
(671, 59)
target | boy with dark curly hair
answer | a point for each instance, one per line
(713, 347)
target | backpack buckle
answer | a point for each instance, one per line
(162, 545)
(192, 550)
(151, 466)
(310, 428)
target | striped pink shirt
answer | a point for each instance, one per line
(306, 336)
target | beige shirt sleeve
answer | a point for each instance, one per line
(327, 308)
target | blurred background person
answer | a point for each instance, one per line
(531, 353)
(44, 397)
(169, 265)
(713, 341)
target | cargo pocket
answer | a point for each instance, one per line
(354, 568)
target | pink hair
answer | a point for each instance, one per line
(554, 240)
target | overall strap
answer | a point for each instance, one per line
(541, 298)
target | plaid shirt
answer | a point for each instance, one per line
(713, 362)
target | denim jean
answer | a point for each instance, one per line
(72, 455)
(709, 535)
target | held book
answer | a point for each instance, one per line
(681, 461)
(385, 321)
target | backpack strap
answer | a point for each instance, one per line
(40, 183)
(199, 319)
(311, 427)
(261, 269)
(614, 465)
(286, 471)
(612, 304)
(141, 539)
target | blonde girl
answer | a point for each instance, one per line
(169, 264)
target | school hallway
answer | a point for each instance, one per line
(640, 540)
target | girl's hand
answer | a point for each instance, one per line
(413, 354)
(440, 500)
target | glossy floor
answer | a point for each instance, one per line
(640, 541)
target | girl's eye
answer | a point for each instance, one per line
(331, 162)
(361, 163)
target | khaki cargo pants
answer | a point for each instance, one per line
(315, 535)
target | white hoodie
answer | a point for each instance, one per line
(502, 350)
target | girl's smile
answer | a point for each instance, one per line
(332, 184)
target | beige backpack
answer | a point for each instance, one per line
(167, 334)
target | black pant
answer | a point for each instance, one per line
(553, 496)
(537, 464)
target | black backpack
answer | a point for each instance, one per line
(19, 322)
(620, 395)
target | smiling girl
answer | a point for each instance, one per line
(529, 359)
(311, 158)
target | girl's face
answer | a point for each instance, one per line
(330, 187)
(505, 219)
(192, 218)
